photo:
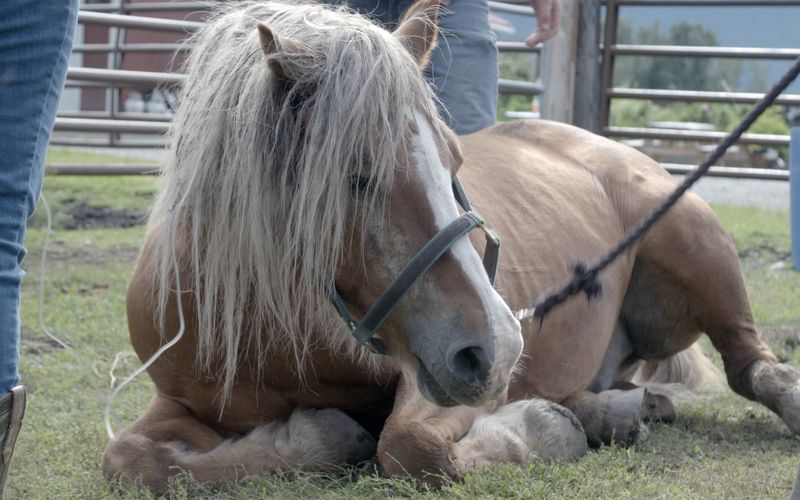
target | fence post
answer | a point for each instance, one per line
(794, 187)
(558, 66)
(586, 112)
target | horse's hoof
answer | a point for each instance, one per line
(622, 420)
(658, 408)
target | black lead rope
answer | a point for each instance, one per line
(585, 279)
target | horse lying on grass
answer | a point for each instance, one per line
(307, 163)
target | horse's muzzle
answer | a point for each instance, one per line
(465, 380)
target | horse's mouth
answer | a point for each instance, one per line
(439, 395)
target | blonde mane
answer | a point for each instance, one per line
(256, 191)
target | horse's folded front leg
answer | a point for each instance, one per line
(310, 440)
(418, 436)
(431, 443)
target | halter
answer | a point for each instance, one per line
(364, 330)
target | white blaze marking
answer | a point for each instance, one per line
(439, 192)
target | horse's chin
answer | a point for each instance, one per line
(434, 392)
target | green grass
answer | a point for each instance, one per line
(79, 156)
(763, 240)
(721, 447)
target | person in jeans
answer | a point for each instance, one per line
(35, 43)
(463, 67)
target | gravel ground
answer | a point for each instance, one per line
(773, 195)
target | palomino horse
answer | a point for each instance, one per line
(308, 163)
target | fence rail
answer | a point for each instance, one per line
(703, 51)
(698, 96)
(689, 135)
(137, 22)
(147, 79)
(128, 48)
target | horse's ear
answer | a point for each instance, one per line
(418, 31)
(276, 49)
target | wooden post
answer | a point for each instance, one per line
(558, 66)
(586, 110)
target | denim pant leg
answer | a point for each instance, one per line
(463, 68)
(35, 42)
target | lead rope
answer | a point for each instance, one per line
(585, 278)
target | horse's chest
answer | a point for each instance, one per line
(331, 383)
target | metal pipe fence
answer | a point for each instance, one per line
(612, 51)
(115, 127)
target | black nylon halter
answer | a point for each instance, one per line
(365, 329)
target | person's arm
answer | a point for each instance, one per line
(548, 16)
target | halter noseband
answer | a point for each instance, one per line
(365, 329)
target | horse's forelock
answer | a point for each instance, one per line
(257, 183)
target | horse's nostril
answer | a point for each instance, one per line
(471, 365)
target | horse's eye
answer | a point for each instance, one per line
(361, 184)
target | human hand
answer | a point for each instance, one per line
(548, 17)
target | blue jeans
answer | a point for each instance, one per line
(463, 67)
(35, 42)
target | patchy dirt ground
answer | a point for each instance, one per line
(89, 217)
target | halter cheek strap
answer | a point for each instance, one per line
(365, 329)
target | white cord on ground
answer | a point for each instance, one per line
(138, 371)
(42, 267)
(118, 359)
(154, 357)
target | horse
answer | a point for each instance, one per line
(308, 166)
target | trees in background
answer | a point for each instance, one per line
(688, 73)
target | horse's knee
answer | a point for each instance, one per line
(741, 366)
(777, 386)
(134, 461)
(753, 371)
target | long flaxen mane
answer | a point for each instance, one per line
(257, 189)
